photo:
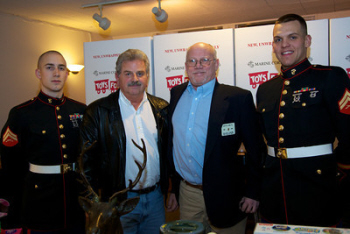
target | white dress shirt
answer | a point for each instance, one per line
(140, 124)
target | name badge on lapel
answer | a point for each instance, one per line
(228, 129)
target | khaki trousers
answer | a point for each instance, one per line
(192, 207)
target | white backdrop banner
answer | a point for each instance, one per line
(255, 60)
(340, 43)
(100, 58)
(170, 55)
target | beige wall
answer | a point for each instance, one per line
(21, 43)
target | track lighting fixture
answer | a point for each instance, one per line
(104, 23)
(160, 14)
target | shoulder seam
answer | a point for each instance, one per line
(26, 103)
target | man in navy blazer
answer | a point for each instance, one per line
(208, 123)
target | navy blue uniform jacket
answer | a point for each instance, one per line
(42, 131)
(306, 105)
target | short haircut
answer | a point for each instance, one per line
(45, 53)
(292, 17)
(130, 55)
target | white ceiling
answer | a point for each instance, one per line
(135, 17)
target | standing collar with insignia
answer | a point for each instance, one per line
(50, 100)
(296, 69)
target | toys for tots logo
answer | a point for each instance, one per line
(172, 81)
(258, 78)
(104, 85)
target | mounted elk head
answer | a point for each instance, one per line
(104, 217)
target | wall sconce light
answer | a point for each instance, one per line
(104, 23)
(75, 68)
(161, 14)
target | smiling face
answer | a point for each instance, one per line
(290, 43)
(52, 73)
(201, 74)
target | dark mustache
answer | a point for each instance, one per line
(134, 83)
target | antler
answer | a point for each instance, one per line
(85, 182)
(141, 168)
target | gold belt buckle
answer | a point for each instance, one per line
(282, 153)
(65, 168)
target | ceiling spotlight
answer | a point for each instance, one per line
(161, 15)
(104, 23)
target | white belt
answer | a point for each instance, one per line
(52, 169)
(300, 152)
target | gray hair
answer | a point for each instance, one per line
(130, 55)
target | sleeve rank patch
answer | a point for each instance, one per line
(9, 139)
(344, 103)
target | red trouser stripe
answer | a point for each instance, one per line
(284, 193)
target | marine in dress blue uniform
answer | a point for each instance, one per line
(303, 111)
(39, 149)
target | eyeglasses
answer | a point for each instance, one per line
(202, 62)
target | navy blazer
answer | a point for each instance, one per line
(227, 177)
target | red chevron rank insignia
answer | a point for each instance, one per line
(344, 103)
(9, 139)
